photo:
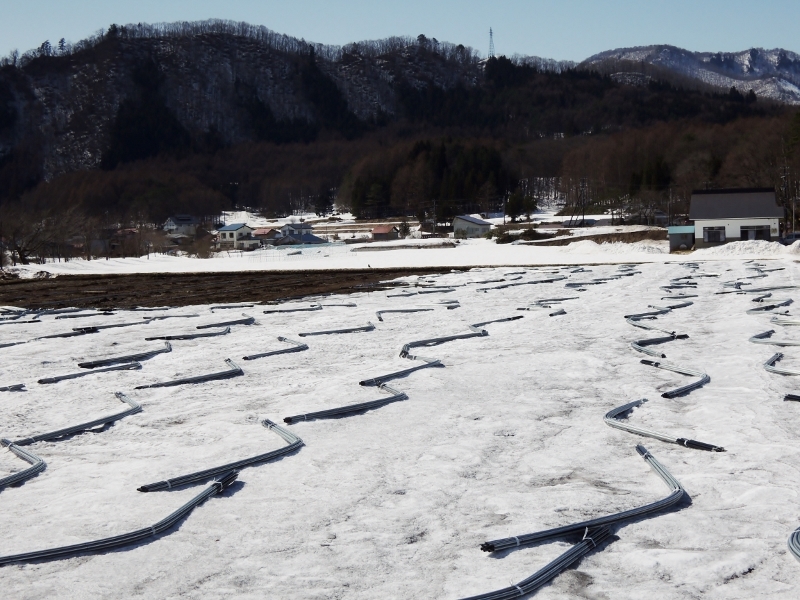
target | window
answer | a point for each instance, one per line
(713, 234)
(755, 232)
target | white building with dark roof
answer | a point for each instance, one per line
(732, 215)
(181, 224)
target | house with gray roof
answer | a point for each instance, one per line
(730, 215)
(470, 226)
(237, 236)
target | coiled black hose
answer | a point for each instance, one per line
(135, 407)
(215, 488)
(134, 366)
(591, 539)
(675, 495)
(93, 364)
(293, 443)
(296, 347)
(234, 371)
(37, 465)
(189, 336)
(351, 409)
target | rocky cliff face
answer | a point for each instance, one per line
(771, 74)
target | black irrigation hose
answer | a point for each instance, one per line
(74, 333)
(342, 305)
(580, 284)
(215, 488)
(769, 365)
(17, 387)
(368, 327)
(640, 345)
(769, 307)
(508, 285)
(96, 314)
(135, 407)
(591, 539)
(228, 306)
(381, 379)
(704, 378)
(763, 338)
(93, 364)
(37, 465)
(234, 371)
(297, 347)
(292, 310)
(164, 317)
(293, 443)
(20, 322)
(115, 326)
(353, 408)
(189, 336)
(676, 494)
(440, 340)
(614, 418)
(401, 310)
(784, 322)
(794, 543)
(134, 366)
(443, 290)
(245, 321)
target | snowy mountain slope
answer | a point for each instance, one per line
(771, 74)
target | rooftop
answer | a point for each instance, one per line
(232, 227)
(735, 203)
(473, 220)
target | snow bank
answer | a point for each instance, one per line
(748, 248)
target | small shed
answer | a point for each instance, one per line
(383, 233)
(680, 237)
(734, 214)
(471, 226)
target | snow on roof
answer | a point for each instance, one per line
(473, 220)
(232, 227)
(737, 203)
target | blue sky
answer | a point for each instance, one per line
(565, 29)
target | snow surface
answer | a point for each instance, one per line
(507, 439)
(466, 253)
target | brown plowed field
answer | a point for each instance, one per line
(181, 289)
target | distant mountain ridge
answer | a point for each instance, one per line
(773, 74)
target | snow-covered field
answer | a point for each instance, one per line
(507, 439)
(467, 253)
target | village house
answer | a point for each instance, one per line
(296, 229)
(181, 224)
(470, 226)
(728, 215)
(237, 236)
(267, 235)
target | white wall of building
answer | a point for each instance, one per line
(733, 226)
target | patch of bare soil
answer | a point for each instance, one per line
(181, 289)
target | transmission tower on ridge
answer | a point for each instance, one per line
(491, 43)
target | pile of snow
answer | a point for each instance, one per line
(643, 247)
(748, 248)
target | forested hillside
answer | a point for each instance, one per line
(142, 121)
